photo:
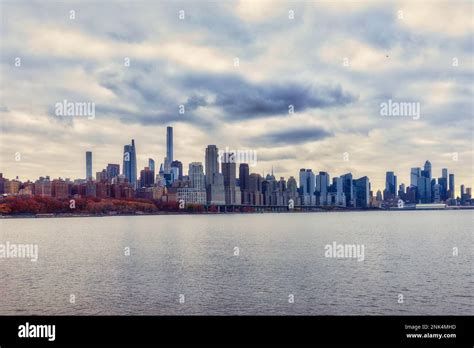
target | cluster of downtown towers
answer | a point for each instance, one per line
(219, 185)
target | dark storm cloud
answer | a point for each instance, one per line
(240, 99)
(292, 136)
(267, 99)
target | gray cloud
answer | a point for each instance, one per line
(294, 136)
(250, 101)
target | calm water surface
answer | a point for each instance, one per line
(408, 253)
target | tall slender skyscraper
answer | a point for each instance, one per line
(130, 163)
(244, 177)
(169, 144)
(89, 165)
(451, 186)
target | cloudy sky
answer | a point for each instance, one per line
(236, 66)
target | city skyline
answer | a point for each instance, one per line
(240, 76)
(131, 171)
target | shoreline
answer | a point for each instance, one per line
(67, 215)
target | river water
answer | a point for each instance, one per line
(413, 262)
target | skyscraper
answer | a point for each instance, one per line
(89, 165)
(214, 180)
(424, 187)
(444, 172)
(322, 183)
(436, 193)
(244, 177)
(215, 191)
(130, 163)
(307, 186)
(211, 163)
(244, 174)
(427, 169)
(169, 143)
(414, 175)
(443, 188)
(340, 196)
(362, 192)
(348, 189)
(255, 189)
(391, 183)
(451, 186)
(229, 171)
(292, 190)
(151, 164)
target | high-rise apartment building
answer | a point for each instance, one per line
(130, 163)
(169, 143)
(89, 165)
